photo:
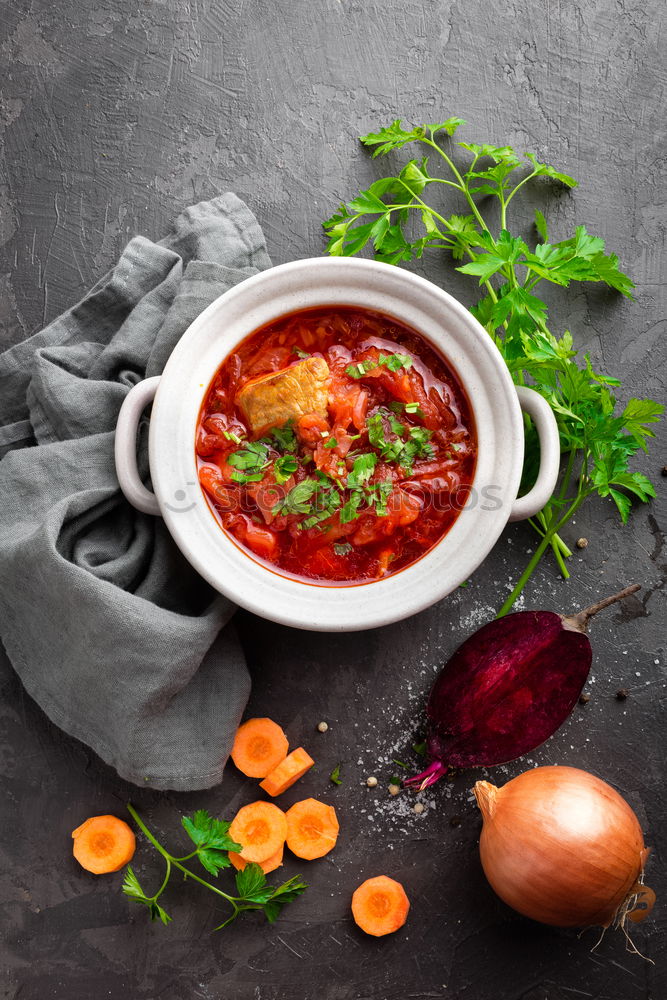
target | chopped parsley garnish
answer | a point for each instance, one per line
(335, 775)
(231, 436)
(378, 495)
(317, 498)
(391, 361)
(298, 499)
(247, 477)
(327, 501)
(299, 353)
(413, 408)
(348, 492)
(362, 470)
(396, 425)
(283, 437)
(283, 468)
(398, 449)
(417, 446)
(342, 548)
(350, 508)
(249, 462)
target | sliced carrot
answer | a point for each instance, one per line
(312, 829)
(275, 861)
(259, 746)
(261, 829)
(103, 844)
(293, 767)
(380, 906)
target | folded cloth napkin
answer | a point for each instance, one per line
(109, 629)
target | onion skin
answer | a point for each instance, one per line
(560, 846)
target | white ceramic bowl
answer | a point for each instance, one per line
(177, 396)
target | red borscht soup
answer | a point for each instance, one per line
(336, 445)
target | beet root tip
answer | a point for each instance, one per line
(433, 773)
(578, 622)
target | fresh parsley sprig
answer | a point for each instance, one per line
(596, 439)
(212, 844)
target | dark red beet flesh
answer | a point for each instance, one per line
(507, 689)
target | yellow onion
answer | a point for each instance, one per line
(561, 846)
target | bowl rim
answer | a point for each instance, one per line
(244, 308)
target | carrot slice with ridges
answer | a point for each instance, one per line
(288, 771)
(275, 861)
(103, 844)
(380, 906)
(259, 746)
(261, 829)
(312, 829)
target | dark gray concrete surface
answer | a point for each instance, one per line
(115, 115)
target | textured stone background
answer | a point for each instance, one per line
(114, 115)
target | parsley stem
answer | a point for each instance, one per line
(539, 552)
(171, 860)
(420, 204)
(441, 180)
(232, 918)
(565, 573)
(560, 550)
(167, 876)
(556, 541)
(567, 475)
(519, 186)
(464, 186)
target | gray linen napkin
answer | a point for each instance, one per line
(110, 630)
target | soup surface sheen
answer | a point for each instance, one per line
(336, 445)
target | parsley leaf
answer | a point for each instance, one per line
(284, 437)
(335, 775)
(206, 831)
(298, 499)
(362, 469)
(378, 495)
(389, 448)
(250, 881)
(133, 890)
(392, 137)
(211, 839)
(350, 508)
(249, 462)
(342, 548)
(417, 446)
(283, 468)
(393, 362)
(284, 894)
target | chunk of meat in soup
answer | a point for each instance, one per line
(271, 400)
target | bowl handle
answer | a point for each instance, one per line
(125, 445)
(547, 431)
